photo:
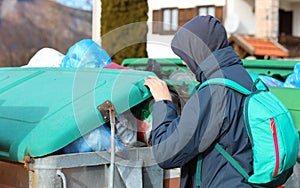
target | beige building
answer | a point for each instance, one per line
(273, 20)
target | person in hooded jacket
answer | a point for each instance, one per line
(212, 115)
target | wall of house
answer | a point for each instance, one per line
(158, 46)
(240, 17)
(284, 5)
(296, 18)
(157, 4)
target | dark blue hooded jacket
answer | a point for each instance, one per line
(212, 115)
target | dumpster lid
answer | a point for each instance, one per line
(44, 109)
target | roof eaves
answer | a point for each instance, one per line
(280, 46)
(242, 43)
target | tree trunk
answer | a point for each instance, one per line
(124, 28)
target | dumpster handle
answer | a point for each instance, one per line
(63, 178)
(107, 112)
(112, 155)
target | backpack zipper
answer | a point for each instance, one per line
(275, 138)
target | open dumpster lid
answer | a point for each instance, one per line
(44, 109)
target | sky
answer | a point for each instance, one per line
(78, 4)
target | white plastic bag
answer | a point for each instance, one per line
(46, 57)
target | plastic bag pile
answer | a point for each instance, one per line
(85, 54)
(292, 81)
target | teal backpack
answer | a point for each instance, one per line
(272, 135)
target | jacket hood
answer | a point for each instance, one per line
(213, 65)
(197, 39)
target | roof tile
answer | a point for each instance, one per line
(264, 47)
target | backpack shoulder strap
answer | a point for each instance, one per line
(235, 164)
(199, 170)
(228, 83)
(227, 156)
(232, 161)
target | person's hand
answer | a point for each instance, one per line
(158, 88)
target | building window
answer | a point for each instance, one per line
(215, 11)
(170, 20)
(165, 21)
(207, 10)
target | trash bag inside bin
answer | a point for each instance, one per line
(270, 81)
(293, 80)
(129, 125)
(98, 139)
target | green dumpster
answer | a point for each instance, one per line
(45, 109)
(278, 69)
(167, 64)
(177, 76)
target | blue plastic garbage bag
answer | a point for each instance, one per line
(96, 140)
(293, 80)
(85, 53)
(269, 81)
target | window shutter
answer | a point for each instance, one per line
(157, 21)
(219, 13)
(185, 15)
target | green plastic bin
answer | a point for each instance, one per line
(177, 76)
(45, 109)
(278, 69)
(168, 65)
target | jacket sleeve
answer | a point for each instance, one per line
(178, 139)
